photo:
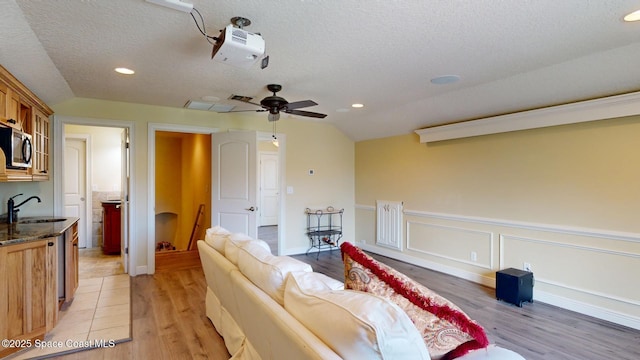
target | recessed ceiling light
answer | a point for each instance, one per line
(634, 16)
(357, 105)
(125, 71)
(445, 79)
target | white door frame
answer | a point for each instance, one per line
(88, 202)
(58, 164)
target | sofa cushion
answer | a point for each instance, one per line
(217, 237)
(447, 331)
(356, 325)
(236, 241)
(266, 271)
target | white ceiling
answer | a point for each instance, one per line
(510, 55)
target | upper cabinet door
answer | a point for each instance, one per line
(40, 132)
(21, 109)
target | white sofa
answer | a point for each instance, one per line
(276, 307)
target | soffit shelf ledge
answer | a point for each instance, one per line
(590, 110)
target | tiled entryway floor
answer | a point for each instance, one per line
(101, 310)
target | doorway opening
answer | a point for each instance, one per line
(213, 215)
(94, 194)
(182, 196)
(268, 193)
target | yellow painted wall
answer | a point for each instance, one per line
(580, 175)
(565, 199)
(183, 182)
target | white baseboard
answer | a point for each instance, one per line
(141, 270)
(587, 309)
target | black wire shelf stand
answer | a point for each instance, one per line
(324, 229)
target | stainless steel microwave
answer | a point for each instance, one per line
(17, 148)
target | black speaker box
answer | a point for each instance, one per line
(514, 286)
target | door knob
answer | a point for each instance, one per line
(253, 208)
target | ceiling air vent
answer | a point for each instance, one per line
(240, 98)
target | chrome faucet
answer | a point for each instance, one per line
(12, 210)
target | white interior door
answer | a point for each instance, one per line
(269, 189)
(234, 205)
(124, 201)
(75, 192)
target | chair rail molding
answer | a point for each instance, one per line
(583, 111)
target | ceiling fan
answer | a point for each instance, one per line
(275, 104)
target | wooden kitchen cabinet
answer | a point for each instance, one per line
(4, 96)
(23, 110)
(71, 255)
(40, 131)
(28, 291)
(13, 109)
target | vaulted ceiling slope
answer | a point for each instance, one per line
(510, 56)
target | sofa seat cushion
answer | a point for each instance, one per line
(447, 331)
(266, 271)
(356, 325)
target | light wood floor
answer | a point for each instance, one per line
(169, 320)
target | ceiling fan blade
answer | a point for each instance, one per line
(306, 113)
(300, 104)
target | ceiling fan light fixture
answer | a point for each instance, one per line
(274, 117)
(634, 16)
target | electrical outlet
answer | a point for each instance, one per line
(527, 267)
(474, 256)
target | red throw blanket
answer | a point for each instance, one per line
(448, 332)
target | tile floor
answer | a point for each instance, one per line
(101, 310)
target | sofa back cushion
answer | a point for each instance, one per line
(447, 331)
(266, 271)
(217, 237)
(356, 325)
(237, 241)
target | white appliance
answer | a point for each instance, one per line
(238, 47)
(17, 148)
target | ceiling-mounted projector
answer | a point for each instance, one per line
(238, 47)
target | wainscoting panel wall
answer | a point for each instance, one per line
(591, 271)
(451, 243)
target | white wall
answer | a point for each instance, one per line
(105, 155)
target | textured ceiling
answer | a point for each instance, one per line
(510, 55)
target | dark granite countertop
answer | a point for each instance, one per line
(34, 228)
